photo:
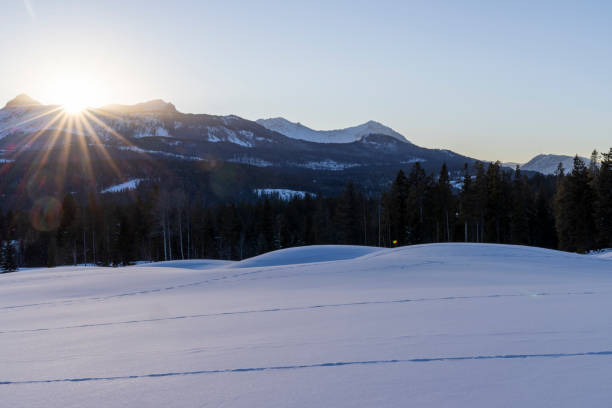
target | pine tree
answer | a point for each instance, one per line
(480, 200)
(575, 202)
(466, 205)
(494, 204)
(66, 232)
(347, 216)
(8, 256)
(418, 188)
(603, 206)
(398, 209)
(594, 165)
(519, 213)
(443, 199)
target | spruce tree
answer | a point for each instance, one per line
(417, 189)
(466, 203)
(444, 217)
(603, 206)
(398, 209)
(2, 256)
(480, 200)
(519, 213)
(575, 201)
(347, 216)
(494, 204)
(9, 258)
(594, 165)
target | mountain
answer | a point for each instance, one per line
(154, 106)
(112, 145)
(296, 130)
(20, 101)
(156, 127)
(548, 163)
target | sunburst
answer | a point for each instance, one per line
(66, 126)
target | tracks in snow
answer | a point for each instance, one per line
(305, 366)
(174, 287)
(289, 309)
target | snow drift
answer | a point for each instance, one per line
(314, 326)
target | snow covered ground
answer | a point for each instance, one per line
(282, 193)
(128, 185)
(431, 325)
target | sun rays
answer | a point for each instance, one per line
(76, 92)
(68, 136)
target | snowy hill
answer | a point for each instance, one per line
(547, 163)
(463, 325)
(351, 134)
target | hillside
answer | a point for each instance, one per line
(548, 163)
(354, 327)
(121, 143)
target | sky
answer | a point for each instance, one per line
(495, 80)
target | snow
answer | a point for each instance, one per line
(199, 264)
(138, 121)
(218, 134)
(414, 160)
(326, 165)
(140, 150)
(282, 193)
(467, 325)
(128, 185)
(547, 163)
(307, 254)
(604, 253)
(347, 135)
(251, 161)
(457, 183)
(31, 119)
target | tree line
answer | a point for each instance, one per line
(571, 211)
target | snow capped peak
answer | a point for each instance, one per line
(547, 163)
(20, 101)
(296, 130)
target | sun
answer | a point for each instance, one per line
(74, 106)
(75, 94)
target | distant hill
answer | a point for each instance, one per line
(548, 163)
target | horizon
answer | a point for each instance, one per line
(490, 82)
(83, 108)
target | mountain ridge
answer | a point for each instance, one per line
(547, 163)
(297, 130)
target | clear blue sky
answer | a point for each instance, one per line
(491, 79)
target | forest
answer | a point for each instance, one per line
(570, 211)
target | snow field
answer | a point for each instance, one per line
(429, 325)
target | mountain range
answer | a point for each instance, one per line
(269, 153)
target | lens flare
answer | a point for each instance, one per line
(45, 214)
